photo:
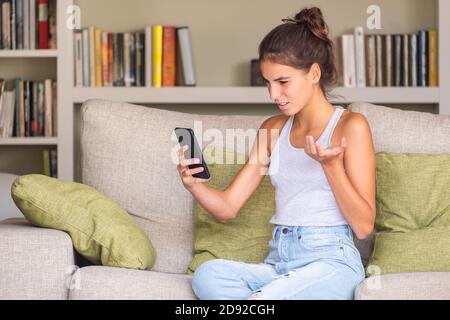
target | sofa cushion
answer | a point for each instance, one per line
(399, 131)
(101, 231)
(413, 213)
(406, 286)
(104, 283)
(129, 154)
(244, 238)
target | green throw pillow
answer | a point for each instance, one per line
(242, 239)
(101, 231)
(413, 214)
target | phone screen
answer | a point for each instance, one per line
(185, 137)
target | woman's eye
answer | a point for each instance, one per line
(283, 82)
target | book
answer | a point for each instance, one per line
(348, 61)
(105, 61)
(360, 57)
(26, 24)
(126, 59)
(405, 58)
(422, 60)
(371, 63)
(388, 60)
(6, 25)
(32, 16)
(92, 56)
(46, 161)
(187, 60)
(86, 62)
(54, 108)
(78, 45)
(432, 58)
(379, 44)
(157, 36)
(52, 34)
(43, 24)
(398, 60)
(413, 60)
(148, 57)
(48, 126)
(19, 25)
(169, 56)
(13, 25)
(98, 58)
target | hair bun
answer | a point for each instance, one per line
(313, 19)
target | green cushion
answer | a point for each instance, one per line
(413, 214)
(242, 239)
(101, 231)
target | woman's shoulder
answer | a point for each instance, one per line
(275, 122)
(352, 124)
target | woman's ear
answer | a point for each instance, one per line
(315, 73)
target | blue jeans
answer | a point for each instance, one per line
(303, 263)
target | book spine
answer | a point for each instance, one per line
(98, 58)
(388, 61)
(19, 24)
(169, 56)
(26, 98)
(138, 56)
(360, 57)
(371, 61)
(348, 62)
(43, 24)
(41, 108)
(406, 79)
(1, 38)
(35, 110)
(413, 59)
(92, 55)
(46, 162)
(86, 58)
(53, 163)
(132, 48)
(120, 61)
(48, 108)
(6, 26)
(105, 62)
(187, 61)
(422, 59)
(32, 24)
(110, 59)
(432, 58)
(21, 110)
(148, 57)
(157, 55)
(13, 25)
(78, 45)
(398, 54)
(126, 56)
(52, 24)
(26, 24)
(54, 108)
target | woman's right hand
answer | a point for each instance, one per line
(185, 173)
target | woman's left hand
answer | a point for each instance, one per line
(330, 156)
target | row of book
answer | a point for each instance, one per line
(160, 56)
(28, 108)
(389, 60)
(50, 161)
(27, 24)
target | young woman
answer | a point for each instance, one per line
(324, 179)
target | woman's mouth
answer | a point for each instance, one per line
(283, 106)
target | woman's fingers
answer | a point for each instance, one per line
(191, 172)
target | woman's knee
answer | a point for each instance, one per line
(208, 277)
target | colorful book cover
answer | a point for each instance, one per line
(157, 36)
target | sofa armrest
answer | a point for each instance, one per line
(35, 263)
(406, 286)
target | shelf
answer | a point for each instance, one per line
(38, 141)
(249, 95)
(28, 53)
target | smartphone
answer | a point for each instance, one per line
(185, 137)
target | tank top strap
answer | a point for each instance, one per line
(325, 138)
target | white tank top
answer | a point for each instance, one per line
(303, 195)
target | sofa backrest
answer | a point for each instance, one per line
(127, 152)
(399, 131)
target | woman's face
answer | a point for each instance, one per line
(290, 88)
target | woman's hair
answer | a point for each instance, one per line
(301, 42)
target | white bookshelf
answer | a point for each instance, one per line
(31, 141)
(69, 95)
(250, 95)
(63, 59)
(29, 53)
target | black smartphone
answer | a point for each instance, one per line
(185, 137)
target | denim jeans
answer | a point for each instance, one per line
(303, 263)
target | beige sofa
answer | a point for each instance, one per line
(126, 154)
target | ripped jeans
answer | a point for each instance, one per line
(303, 263)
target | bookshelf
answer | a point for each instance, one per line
(62, 57)
(70, 96)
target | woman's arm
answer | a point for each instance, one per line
(224, 205)
(351, 174)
